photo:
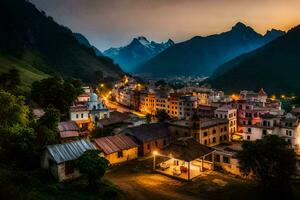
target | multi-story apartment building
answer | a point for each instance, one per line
(135, 100)
(123, 96)
(173, 105)
(202, 97)
(162, 102)
(228, 112)
(287, 127)
(148, 103)
(209, 132)
(187, 106)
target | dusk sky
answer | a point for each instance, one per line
(113, 23)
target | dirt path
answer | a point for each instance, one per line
(146, 185)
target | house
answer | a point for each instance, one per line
(79, 113)
(149, 137)
(228, 112)
(115, 118)
(84, 97)
(211, 132)
(187, 106)
(117, 148)
(68, 130)
(185, 158)
(148, 102)
(59, 158)
(204, 111)
(96, 108)
(226, 159)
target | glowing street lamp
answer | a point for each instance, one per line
(102, 85)
(154, 156)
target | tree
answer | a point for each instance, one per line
(57, 92)
(92, 166)
(12, 110)
(271, 162)
(47, 127)
(17, 138)
(148, 118)
(10, 81)
(162, 115)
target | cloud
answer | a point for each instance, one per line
(109, 23)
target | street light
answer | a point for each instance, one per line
(154, 155)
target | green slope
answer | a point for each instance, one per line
(52, 48)
(28, 73)
(275, 67)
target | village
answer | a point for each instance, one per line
(183, 134)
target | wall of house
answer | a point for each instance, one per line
(83, 98)
(80, 115)
(213, 135)
(62, 176)
(232, 167)
(154, 145)
(128, 154)
(179, 132)
(57, 170)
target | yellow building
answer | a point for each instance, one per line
(117, 148)
(173, 105)
(211, 132)
(202, 97)
(148, 103)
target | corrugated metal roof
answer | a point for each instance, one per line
(111, 144)
(66, 134)
(69, 151)
(67, 126)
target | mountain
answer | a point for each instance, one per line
(137, 52)
(202, 55)
(32, 40)
(84, 41)
(275, 67)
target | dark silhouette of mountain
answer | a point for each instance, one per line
(202, 55)
(28, 35)
(275, 67)
(137, 52)
(84, 41)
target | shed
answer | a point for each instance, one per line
(59, 158)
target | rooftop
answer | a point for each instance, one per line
(69, 151)
(148, 132)
(115, 117)
(187, 149)
(67, 126)
(111, 144)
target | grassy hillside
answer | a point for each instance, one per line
(31, 37)
(28, 73)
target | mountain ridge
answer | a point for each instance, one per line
(138, 51)
(202, 55)
(274, 67)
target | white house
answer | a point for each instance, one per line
(230, 113)
(96, 108)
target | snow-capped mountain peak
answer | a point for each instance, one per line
(139, 50)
